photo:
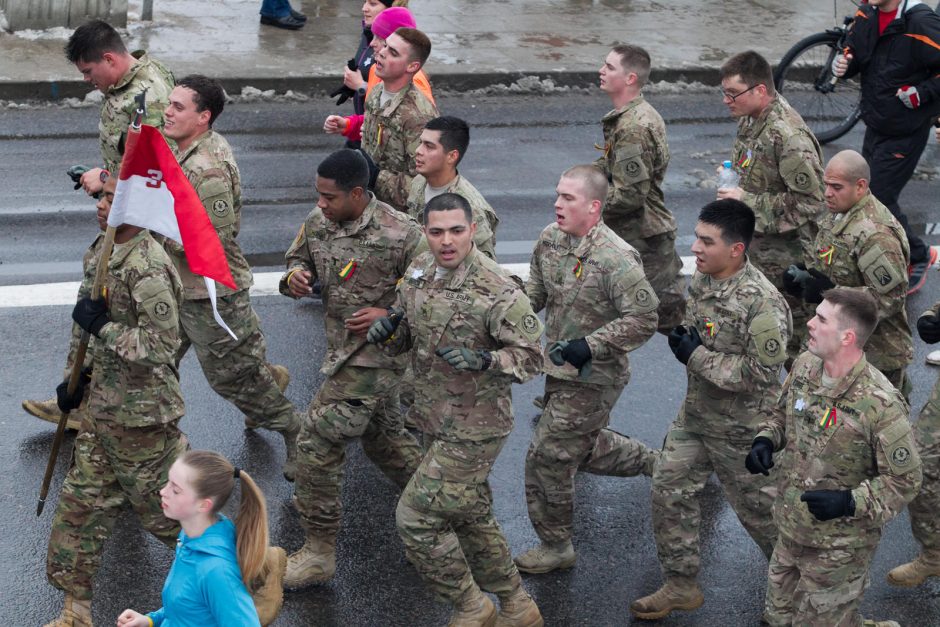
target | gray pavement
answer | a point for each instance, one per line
(476, 42)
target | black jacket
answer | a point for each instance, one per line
(907, 53)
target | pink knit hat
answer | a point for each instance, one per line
(390, 20)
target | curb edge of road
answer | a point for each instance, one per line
(444, 81)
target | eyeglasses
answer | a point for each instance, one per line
(733, 97)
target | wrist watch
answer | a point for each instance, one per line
(104, 175)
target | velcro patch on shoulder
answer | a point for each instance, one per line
(771, 347)
(157, 302)
(639, 292)
(520, 316)
(882, 275)
(897, 444)
(799, 174)
(630, 163)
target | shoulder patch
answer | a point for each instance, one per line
(768, 340)
(897, 444)
(520, 316)
(882, 275)
(159, 306)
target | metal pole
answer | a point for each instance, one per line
(146, 13)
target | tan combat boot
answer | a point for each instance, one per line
(315, 562)
(914, 573)
(290, 444)
(75, 613)
(676, 594)
(48, 410)
(269, 593)
(547, 557)
(474, 609)
(518, 610)
(281, 378)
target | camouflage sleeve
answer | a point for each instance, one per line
(774, 427)
(801, 171)
(394, 186)
(630, 174)
(636, 301)
(89, 263)
(518, 330)
(401, 340)
(484, 237)
(415, 202)
(899, 468)
(412, 248)
(535, 286)
(884, 269)
(155, 339)
(758, 367)
(298, 258)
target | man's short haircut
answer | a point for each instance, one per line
(448, 202)
(751, 67)
(455, 133)
(857, 309)
(733, 218)
(592, 178)
(91, 40)
(419, 43)
(852, 165)
(345, 167)
(634, 59)
(209, 94)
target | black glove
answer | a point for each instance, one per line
(761, 457)
(91, 315)
(687, 345)
(67, 403)
(344, 93)
(75, 173)
(577, 353)
(829, 504)
(928, 328)
(465, 358)
(675, 336)
(384, 328)
(373, 169)
(815, 286)
(793, 279)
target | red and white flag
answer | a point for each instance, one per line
(154, 193)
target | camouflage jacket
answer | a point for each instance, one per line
(118, 109)
(868, 448)
(866, 247)
(635, 159)
(477, 306)
(483, 214)
(734, 377)
(134, 381)
(780, 164)
(390, 135)
(210, 166)
(595, 290)
(376, 248)
(89, 267)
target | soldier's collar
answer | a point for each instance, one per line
(461, 272)
(615, 113)
(396, 100)
(729, 283)
(181, 157)
(585, 243)
(359, 223)
(841, 386)
(140, 57)
(120, 254)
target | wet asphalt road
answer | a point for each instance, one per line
(519, 147)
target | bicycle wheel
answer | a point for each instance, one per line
(830, 110)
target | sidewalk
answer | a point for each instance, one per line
(476, 42)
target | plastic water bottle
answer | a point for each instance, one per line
(727, 177)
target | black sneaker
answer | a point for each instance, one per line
(297, 15)
(917, 272)
(288, 22)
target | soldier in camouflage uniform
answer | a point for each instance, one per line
(635, 159)
(130, 435)
(358, 248)
(733, 343)
(99, 54)
(598, 307)
(443, 144)
(849, 467)
(780, 165)
(396, 113)
(860, 244)
(472, 333)
(235, 368)
(925, 524)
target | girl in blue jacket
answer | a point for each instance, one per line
(216, 562)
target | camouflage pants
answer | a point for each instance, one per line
(687, 461)
(923, 509)
(114, 465)
(663, 268)
(811, 586)
(773, 254)
(236, 369)
(571, 437)
(445, 519)
(354, 403)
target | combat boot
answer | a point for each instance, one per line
(676, 594)
(269, 593)
(474, 609)
(48, 410)
(75, 613)
(547, 557)
(518, 610)
(914, 573)
(281, 378)
(290, 444)
(315, 562)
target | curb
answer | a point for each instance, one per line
(453, 82)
